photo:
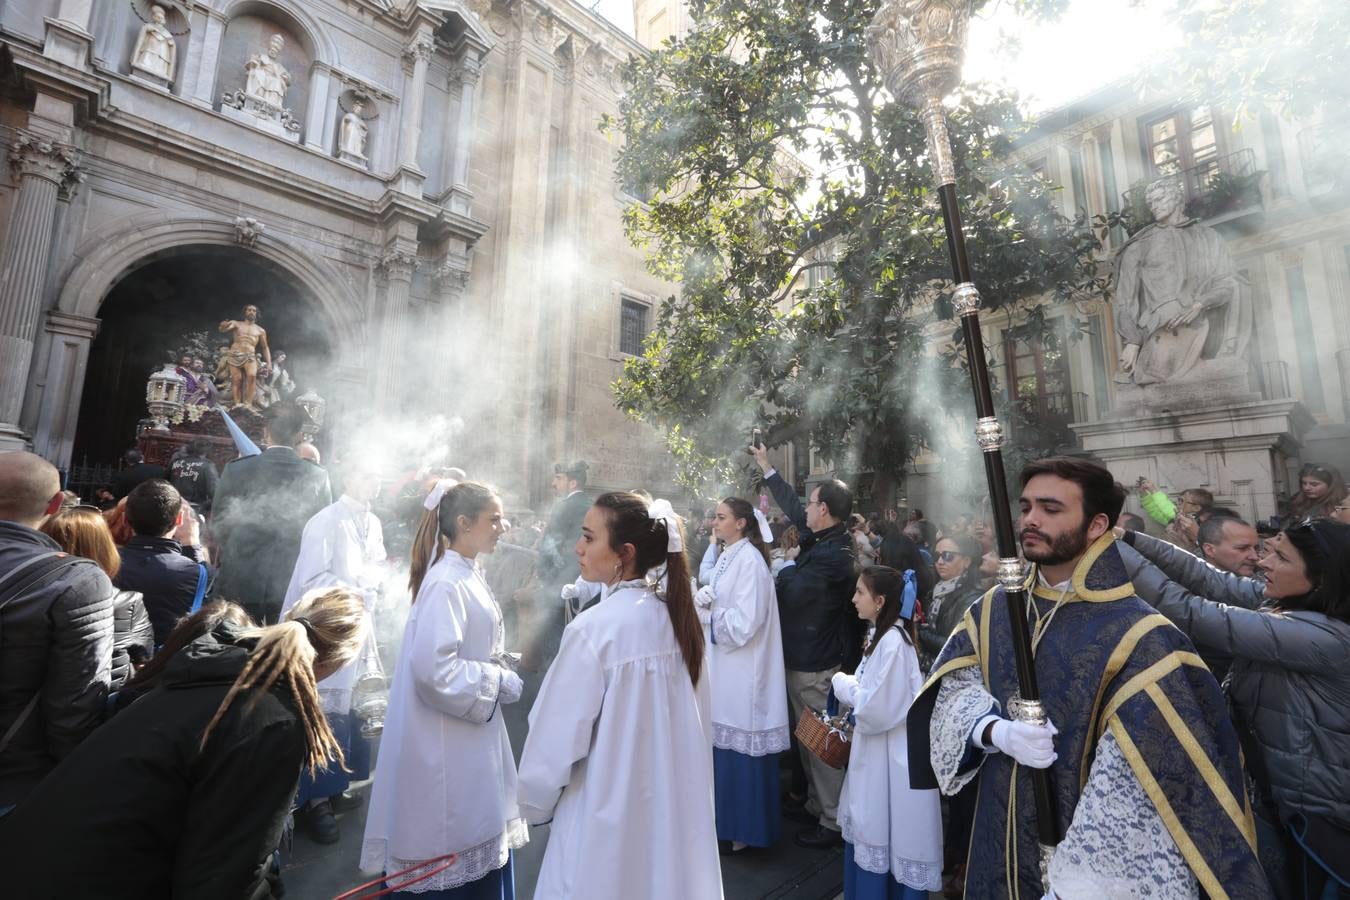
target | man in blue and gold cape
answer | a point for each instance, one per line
(1147, 774)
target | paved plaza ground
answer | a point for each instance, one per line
(785, 872)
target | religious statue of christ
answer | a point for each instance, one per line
(241, 359)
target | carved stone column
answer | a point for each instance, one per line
(317, 136)
(418, 54)
(396, 269)
(458, 195)
(44, 167)
(447, 326)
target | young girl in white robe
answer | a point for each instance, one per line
(445, 781)
(739, 609)
(892, 833)
(619, 754)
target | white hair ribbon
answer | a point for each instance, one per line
(662, 510)
(765, 532)
(434, 498)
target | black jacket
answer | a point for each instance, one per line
(557, 547)
(133, 636)
(128, 478)
(195, 478)
(165, 573)
(55, 642)
(259, 513)
(821, 629)
(138, 811)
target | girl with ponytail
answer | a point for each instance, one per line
(445, 780)
(892, 833)
(185, 792)
(618, 756)
(739, 609)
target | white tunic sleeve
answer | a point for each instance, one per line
(744, 593)
(707, 564)
(961, 703)
(561, 724)
(1117, 846)
(888, 686)
(444, 680)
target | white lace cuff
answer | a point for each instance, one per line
(489, 690)
(751, 743)
(961, 702)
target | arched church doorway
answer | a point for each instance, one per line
(169, 304)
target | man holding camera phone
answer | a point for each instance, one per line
(821, 629)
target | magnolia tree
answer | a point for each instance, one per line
(789, 196)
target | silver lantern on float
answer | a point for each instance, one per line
(164, 393)
(314, 405)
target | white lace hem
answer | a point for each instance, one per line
(923, 876)
(473, 863)
(751, 743)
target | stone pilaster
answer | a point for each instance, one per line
(418, 54)
(43, 168)
(395, 269)
(466, 116)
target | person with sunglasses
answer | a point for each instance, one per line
(1288, 689)
(958, 587)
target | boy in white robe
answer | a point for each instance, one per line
(342, 544)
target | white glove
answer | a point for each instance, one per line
(845, 688)
(705, 597)
(569, 592)
(510, 688)
(1031, 745)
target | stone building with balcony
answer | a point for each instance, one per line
(415, 193)
(1278, 194)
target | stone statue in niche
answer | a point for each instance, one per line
(155, 53)
(1178, 297)
(352, 144)
(268, 79)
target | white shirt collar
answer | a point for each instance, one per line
(353, 504)
(1062, 586)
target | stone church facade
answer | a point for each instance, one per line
(469, 264)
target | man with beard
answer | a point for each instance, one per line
(1147, 777)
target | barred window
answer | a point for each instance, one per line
(632, 326)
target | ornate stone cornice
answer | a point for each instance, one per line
(40, 157)
(421, 48)
(397, 264)
(452, 276)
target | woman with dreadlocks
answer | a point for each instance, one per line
(185, 792)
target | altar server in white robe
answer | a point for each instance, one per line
(739, 609)
(892, 833)
(342, 546)
(619, 755)
(445, 781)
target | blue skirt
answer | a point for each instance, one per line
(332, 781)
(860, 884)
(746, 788)
(499, 884)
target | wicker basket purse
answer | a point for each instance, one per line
(828, 735)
